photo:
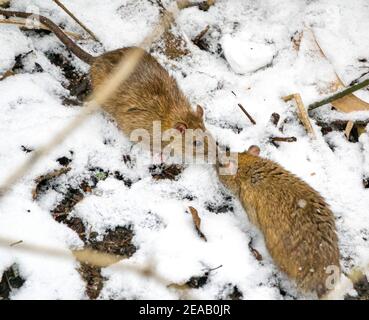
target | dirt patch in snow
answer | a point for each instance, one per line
(10, 280)
(116, 242)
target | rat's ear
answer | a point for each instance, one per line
(254, 150)
(199, 111)
(181, 127)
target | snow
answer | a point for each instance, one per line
(32, 112)
(245, 56)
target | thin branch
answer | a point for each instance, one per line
(76, 20)
(341, 123)
(92, 257)
(283, 139)
(23, 24)
(244, 110)
(339, 95)
(246, 113)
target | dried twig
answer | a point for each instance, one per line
(76, 20)
(89, 256)
(41, 26)
(244, 110)
(341, 123)
(302, 113)
(15, 243)
(283, 139)
(246, 113)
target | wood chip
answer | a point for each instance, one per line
(348, 129)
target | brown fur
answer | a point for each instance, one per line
(149, 94)
(298, 226)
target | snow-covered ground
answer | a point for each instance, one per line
(255, 37)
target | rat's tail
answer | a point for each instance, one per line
(80, 53)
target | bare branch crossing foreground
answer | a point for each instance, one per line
(92, 257)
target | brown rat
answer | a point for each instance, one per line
(149, 94)
(298, 226)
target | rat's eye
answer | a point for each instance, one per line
(197, 143)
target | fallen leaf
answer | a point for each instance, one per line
(197, 221)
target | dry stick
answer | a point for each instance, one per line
(89, 256)
(41, 27)
(339, 95)
(341, 123)
(244, 110)
(123, 70)
(246, 113)
(76, 20)
(283, 139)
(96, 258)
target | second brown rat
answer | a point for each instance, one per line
(149, 94)
(297, 224)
